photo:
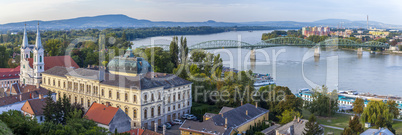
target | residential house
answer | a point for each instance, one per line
(380, 131)
(109, 117)
(228, 122)
(34, 108)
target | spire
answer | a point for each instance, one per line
(38, 43)
(25, 38)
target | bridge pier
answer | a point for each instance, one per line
(253, 57)
(317, 51)
(360, 51)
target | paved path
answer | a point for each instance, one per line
(354, 114)
(331, 127)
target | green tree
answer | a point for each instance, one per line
(4, 56)
(288, 115)
(384, 40)
(393, 108)
(323, 104)
(355, 126)
(376, 110)
(174, 51)
(53, 47)
(358, 106)
(18, 123)
(347, 131)
(4, 130)
(313, 127)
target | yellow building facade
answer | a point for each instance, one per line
(150, 99)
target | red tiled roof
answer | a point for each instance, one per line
(6, 72)
(52, 61)
(100, 113)
(22, 97)
(140, 131)
(36, 105)
(137, 131)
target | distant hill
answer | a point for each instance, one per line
(123, 21)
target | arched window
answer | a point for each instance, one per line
(135, 113)
(152, 97)
(135, 98)
(40, 58)
(159, 110)
(178, 96)
(26, 56)
(152, 112)
(145, 114)
(145, 98)
(126, 110)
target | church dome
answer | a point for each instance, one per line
(129, 64)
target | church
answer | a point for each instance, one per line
(31, 68)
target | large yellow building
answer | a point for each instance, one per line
(149, 98)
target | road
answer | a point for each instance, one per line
(331, 127)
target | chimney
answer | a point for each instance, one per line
(20, 97)
(256, 104)
(226, 122)
(30, 95)
(37, 85)
(241, 103)
(246, 112)
(222, 115)
(40, 96)
(101, 74)
(298, 119)
(107, 104)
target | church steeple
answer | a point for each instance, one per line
(38, 43)
(25, 39)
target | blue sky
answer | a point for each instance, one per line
(387, 11)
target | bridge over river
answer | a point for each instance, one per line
(283, 41)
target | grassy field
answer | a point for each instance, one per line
(333, 131)
(342, 121)
(397, 125)
(338, 120)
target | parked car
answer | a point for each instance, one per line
(168, 126)
(177, 122)
(171, 123)
(191, 117)
(184, 116)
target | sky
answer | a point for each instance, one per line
(386, 11)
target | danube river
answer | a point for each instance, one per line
(296, 68)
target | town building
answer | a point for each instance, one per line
(319, 31)
(295, 127)
(380, 131)
(347, 98)
(147, 97)
(228, 122)
(8, 76)
(15, 102)
(111, 118)
(34, 108)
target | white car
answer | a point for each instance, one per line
(191, 117)
(177, 122)
(184, 116)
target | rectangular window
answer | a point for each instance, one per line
(110, 93)
(118, 95)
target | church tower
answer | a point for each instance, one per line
(38, 61)
(25, 54)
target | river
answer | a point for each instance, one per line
(293, 67)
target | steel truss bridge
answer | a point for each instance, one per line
(277, 42)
